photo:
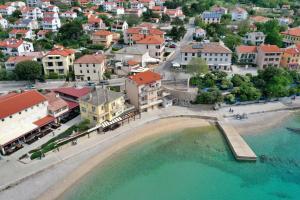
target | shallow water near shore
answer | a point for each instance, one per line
(197, 164)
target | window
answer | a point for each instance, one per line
(83, 109)
(94, 71)
(10, 116)
(80, 65)
(60, 64)
(93, 108)
(88, 71)
(185, 54)
(193, 54)
(2, 120)
(20, 113)
(80, 71)
(94, 118)
(50, 64)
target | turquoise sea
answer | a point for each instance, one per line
(197, 164)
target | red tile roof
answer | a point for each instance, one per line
(45, 120)
(72, 104)
(55, 102)
(293, 32)
(90, 59)
(17, 59)
(18, 31)
(267, 48)
(151, 39)
(292, 51)
(61, 52)
(11, 43)
(246, 49)
(74, 92)
(102, 33)
(145, 77)
(19, 101)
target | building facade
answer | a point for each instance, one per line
(59, 61)
(89, 68)
(102, 105)
(215, 54)
(144, 90)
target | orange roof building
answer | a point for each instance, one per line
(20, 115)
(144, 90)
(291, 36)
(58, 60)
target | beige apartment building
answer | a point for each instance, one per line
(102, 105)
(102, 37)
(89, 68)
(144, 90)
(268, 56)
(58, 61)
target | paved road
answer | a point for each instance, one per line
(165, 68)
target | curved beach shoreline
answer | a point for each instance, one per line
(162, 126)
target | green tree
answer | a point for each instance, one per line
(165, 18)
(211, 96)
(197, 66)
(273, 82)
(17, 14)
(28, 70)
(132, 20)
(232, 41)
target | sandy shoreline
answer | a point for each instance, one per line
(162, 126)
(258, 123)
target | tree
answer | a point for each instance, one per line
(243, 27)
(197, 66)
(177, 22)
(231, 41)
(132, 20)
(28, 70)
(238, 80)
(17, 14)
(211, 96)
(71, 33)
(165, 18)
(199, 22)
(177, 33)
(272, 32)
(273, 82)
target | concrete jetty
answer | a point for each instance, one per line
(238, 146)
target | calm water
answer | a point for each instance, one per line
(197, 164)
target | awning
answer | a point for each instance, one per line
(108, 123)
(43, 121)
(72, 104)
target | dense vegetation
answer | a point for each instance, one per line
(267, 84)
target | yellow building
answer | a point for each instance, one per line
(291, 36)
(291, 57)
(58, 61)
(102, 105)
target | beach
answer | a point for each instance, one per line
(74, 162)
(163, 126)
(257, 123)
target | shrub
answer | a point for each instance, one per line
(37, 154)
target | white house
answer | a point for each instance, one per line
(3, 23)
(34, 3)
(154, 44)
(32, 13)
(119, 26)
(68, 14)
(239, 14)
(51, 24)
(21, 33)
(109, 6)
(199, 33)
(211, 17)
(14, 47)
(215, 54)
(254, 38)
(26, 24)
(6, 10)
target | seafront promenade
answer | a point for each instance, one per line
(42, 174)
